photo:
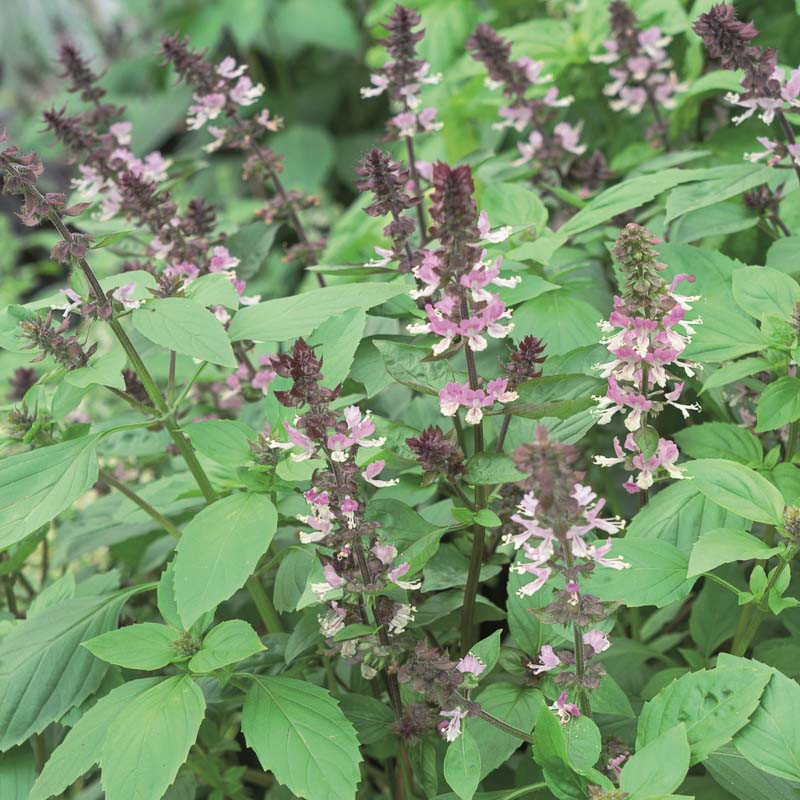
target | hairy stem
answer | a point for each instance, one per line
(412, 166)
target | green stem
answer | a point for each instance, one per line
(166, 524)
(264, 606)
(791, 445)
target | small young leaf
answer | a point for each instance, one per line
(229, 642)
(779, 404)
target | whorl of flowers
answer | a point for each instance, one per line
(646, 334)
(641, 72)
(766, 87)
(459, 276)
(360, 561)
(403, 76)
(388, 181)
(516, 77)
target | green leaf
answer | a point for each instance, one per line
(583, 743)
(562, 320)
(738, 489)
(516, 705)
(679, 514)
(292, 577)
(488, 468)
(146, 645)
(338, 339)
(723, 545)
(487, 518)
(44, 672)
(110, 238)
(186, 327)
(462, 765)
(38, 485)
(290, 317)
(17, 773)
(722, 183)
(82, 746)
(779, 404)
(229, 642)
(629, 194)
(717, 340)
(771, 740)
(559, 396)
(251, 244)
(372, 718)
(300, 734)
(656, 576)
(713, 705)
(729, 373)
(763, 290)
(488, 651)
(219, 550)
(157, 729)
(214, 289)
(513, 204)
(720, 440)
(659, 767)
(740, 779)
(225, 441)
(404, 363)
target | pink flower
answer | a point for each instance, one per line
(547, 660)
(74, 301)
(124, 295)
(339, 444)
(371, 472)
(222, 260)
(471, 664)
(307, 447)
(245, 93)
(597, 640)
(397, 573)
(450, 727)
(564, 710)
(228, 68)
(205, 108)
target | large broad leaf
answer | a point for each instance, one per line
(186, 327)
(38, 485)
(290, 317)
(338, 339)
(82, 746)
(559, 396)
(516, 705)
(17, 773)
(404, 363)
(763, 290)
(656, 576)
(743, 781)
(44, 671)
(717, 340)
(713, 705)
(720, 184)
(720, 440)
(659, 767)
(219, 551)
(624, 196)
(771, 740)
(147, 744)
(723, 545)
(563, 321)
(738, 489)
(678, 515)
(462, 765)
(300, 734)
(229, 642)
(513, 204)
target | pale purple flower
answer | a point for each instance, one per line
(73, 304)
(450, 726)
(245, 92)
(547, 660)
(471, 664)
(371, 472)
(597, 640)
(403, 615)
(205, 108)
(125, 296)
(228, 68)
(397, 573)
(565, 710)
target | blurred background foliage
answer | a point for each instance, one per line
(313, 56)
